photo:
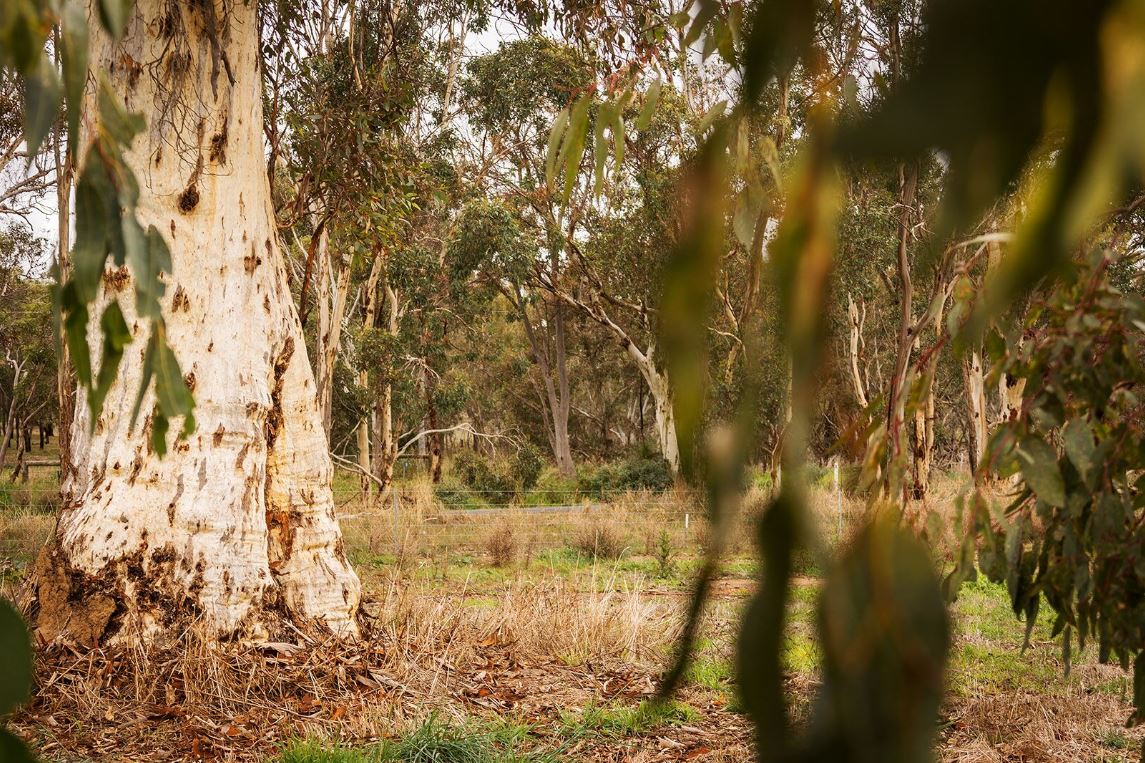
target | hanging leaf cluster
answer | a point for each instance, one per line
(1073, 536)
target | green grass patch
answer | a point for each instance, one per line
(621, 721)
(709, 672)
(434, 741)
(315, 751)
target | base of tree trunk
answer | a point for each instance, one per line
(137, 599)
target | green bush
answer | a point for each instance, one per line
(651, 474)
(526, 466)
(552, 489)
(494, 480)
(498, 481)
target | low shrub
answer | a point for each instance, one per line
(501, 546)
(500, 480)
(599, 539)
(651, 474)
(526, 466)
(484, 476)
(552, 489)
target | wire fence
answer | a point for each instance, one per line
(440, 522)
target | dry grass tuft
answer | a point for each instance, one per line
(601, 539)
(501, 545)
(1025, 726)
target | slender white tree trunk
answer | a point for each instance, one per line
(975, 408)
(371, 312)
(857, 318)
(385, 441)
(334, 285)
(235, 526)
(661, 392)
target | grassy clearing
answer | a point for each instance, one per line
(549, 655)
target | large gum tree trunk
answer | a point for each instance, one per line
(234, 528)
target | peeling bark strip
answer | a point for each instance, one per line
(234, 527)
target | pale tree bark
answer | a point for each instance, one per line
(924, 412)
(9, 425)
(65, 376)
(896, 405)
(368, 319)
(978, 427)
(385, 441)
(975, 387)
(661, 392)
(1010, 392)
(234, 528)
(333, 287)
(856, 318)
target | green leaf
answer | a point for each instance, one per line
(23, 36)
(75, 332)
(114, 15)
(146, 373)
(864, 699)
(573, 149)
(15, 659)
(116, 336)
(1039, 464)
(160, 425)
(149, 287)
(121, 124)
(560, 125)
(708, 9)
(1077, 437)
(1031, 613)
(713, 114)
(651, 98)
(74, 61)
(749, 202)
(618, 138)
(96, 213)
(42, 93)
(174, 399)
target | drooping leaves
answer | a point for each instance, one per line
(1039, 464)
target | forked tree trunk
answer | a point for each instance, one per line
(658, 384)
(896, 405)
(924, 413)
(235, 526)
(975, 410)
